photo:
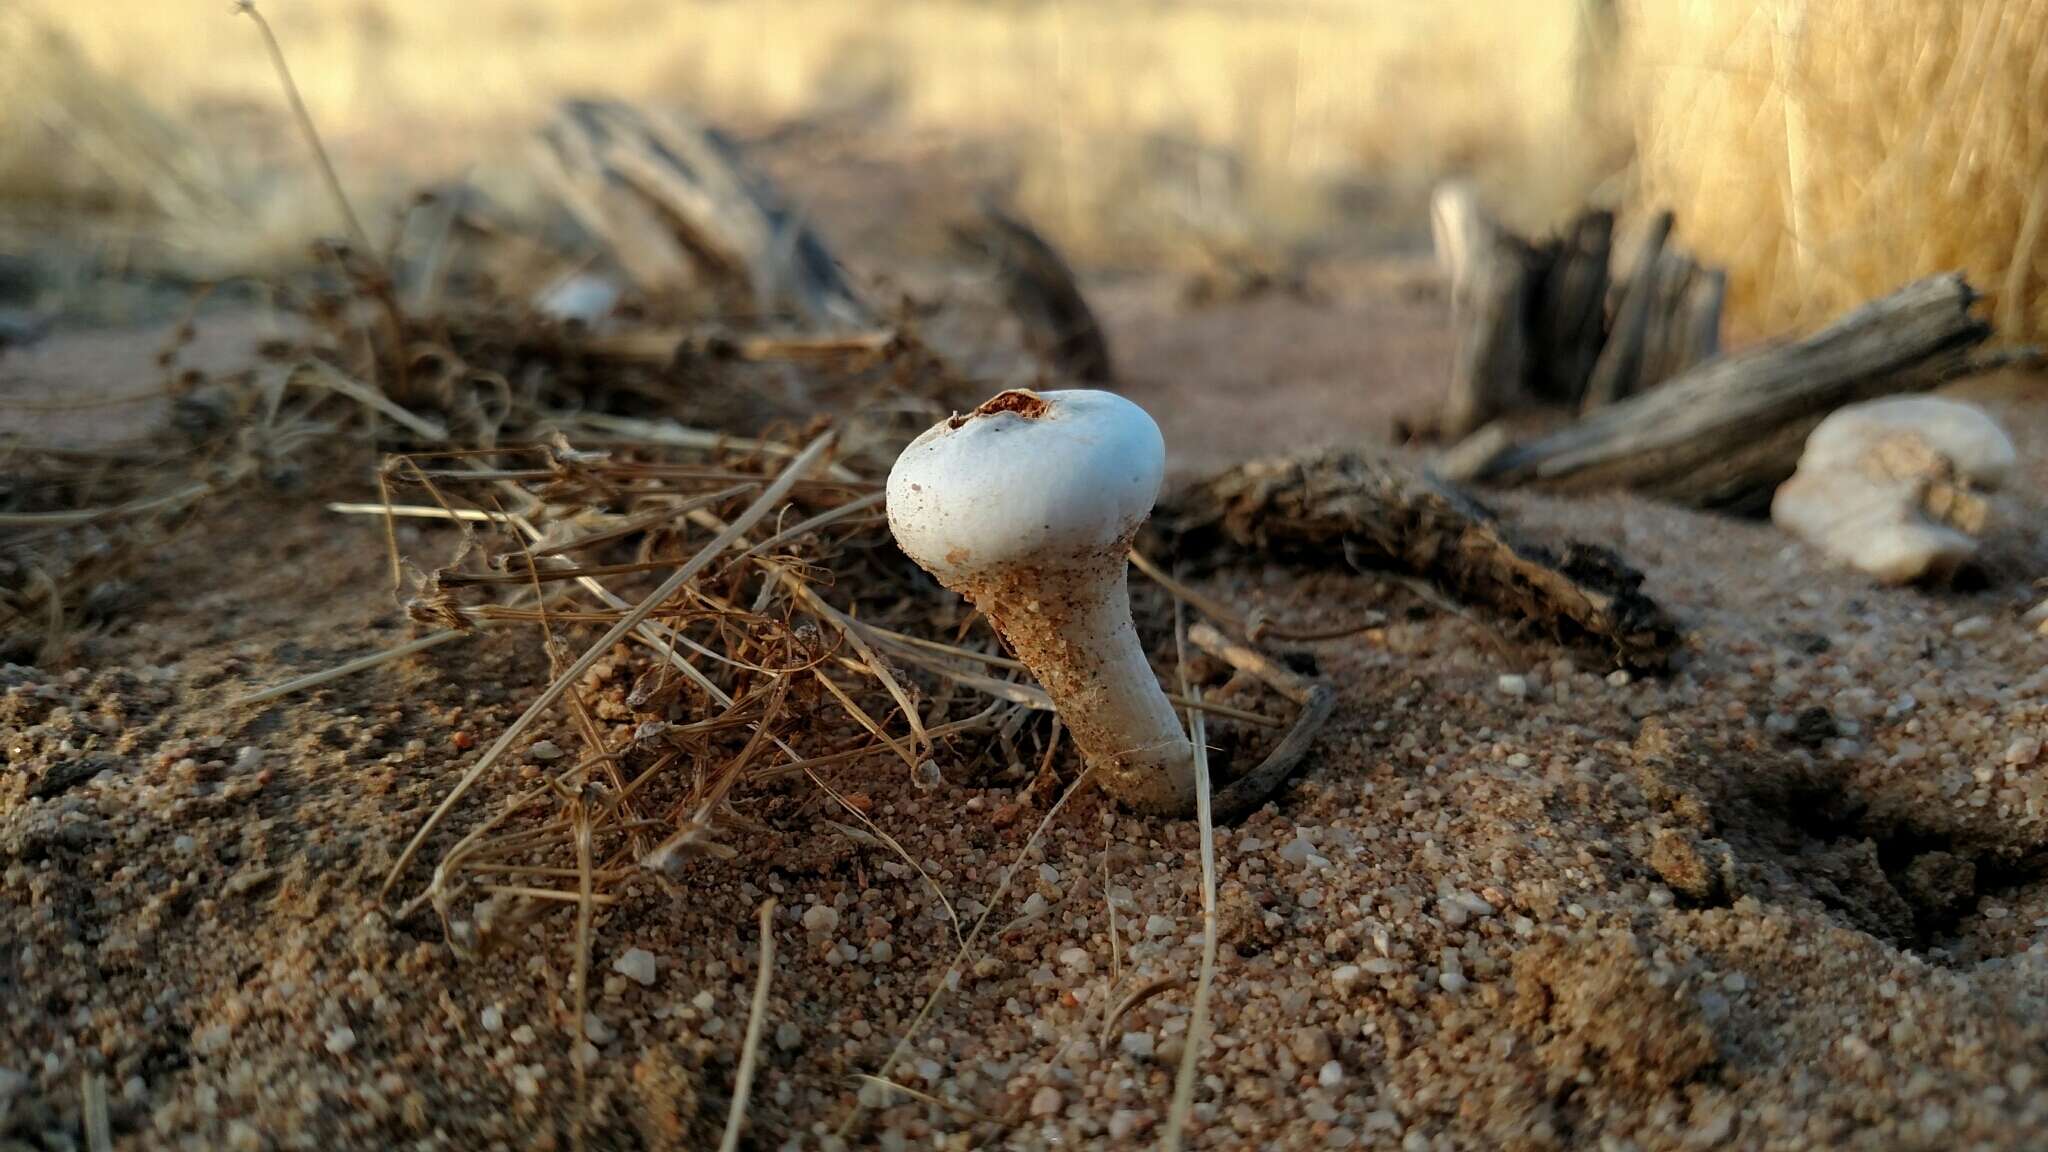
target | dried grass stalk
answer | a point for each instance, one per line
(1828, 151)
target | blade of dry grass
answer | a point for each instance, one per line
(99, 1126)
(361, 664)
(750, 1047)
(305, 119)
(1198, 1020)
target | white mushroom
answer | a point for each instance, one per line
(1894, 486)
(1027, 506)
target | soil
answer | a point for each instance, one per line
(1793, 894)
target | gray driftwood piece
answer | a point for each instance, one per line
(1532, 323)
(1570, 322)
(677, 206)
(1726, 433)
(1619, 371)
(1490, 270)
(1041, 289)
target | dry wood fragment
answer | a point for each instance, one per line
(1039, 286)
(1570, 322)
(1490, 271)
(1244, 795)
(1619, 370)
(1727, 432)
(1342, 506)
(676, 206)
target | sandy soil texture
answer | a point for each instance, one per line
(1792, 895)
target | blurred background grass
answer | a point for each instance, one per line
(1127, 120)
(1826, 149)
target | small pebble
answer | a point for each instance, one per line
(1513, 685)
(1971, 626)
(2023, 751)
(1346, 978)
(821, 919)
(544, 750)
(1311, 1046)
(1137, 1044)
(1452, 982)
(493, 1019)
(1047, 1102)
(1157, 925)
(341, 1040)
(788, 1037)
(1331, 1074)
(1078, 959)
(1619, 678)
(637, 965)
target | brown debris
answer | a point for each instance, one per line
(1346, 507)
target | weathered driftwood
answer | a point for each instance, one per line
(1684, 325)
(1548, 324)
(677, 207)
(1619, 370)
(1726, 433)
(1059, 326)
(1346, 508)
(1570, 321)
(1490, 271)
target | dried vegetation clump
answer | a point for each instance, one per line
(1828, 151)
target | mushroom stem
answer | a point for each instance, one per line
(1072, 628)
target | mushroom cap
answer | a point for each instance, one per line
(1038, 477)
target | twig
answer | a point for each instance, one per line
(1139, 996)
(750, 1048)
(1245, 794)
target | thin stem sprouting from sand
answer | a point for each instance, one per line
(1198, 1019)
(750, 1048)
(305, 119)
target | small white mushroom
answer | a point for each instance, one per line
(1027, 506)
(1893, 486)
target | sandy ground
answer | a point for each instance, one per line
(1793, 895)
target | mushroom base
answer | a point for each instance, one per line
(1073, 629)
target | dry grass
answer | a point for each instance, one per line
(1133, 121)
(1829, 151)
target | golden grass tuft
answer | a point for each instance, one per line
(1828, 151)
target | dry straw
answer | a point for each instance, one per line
(1828, 151)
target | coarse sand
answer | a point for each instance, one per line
(1792, 895)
